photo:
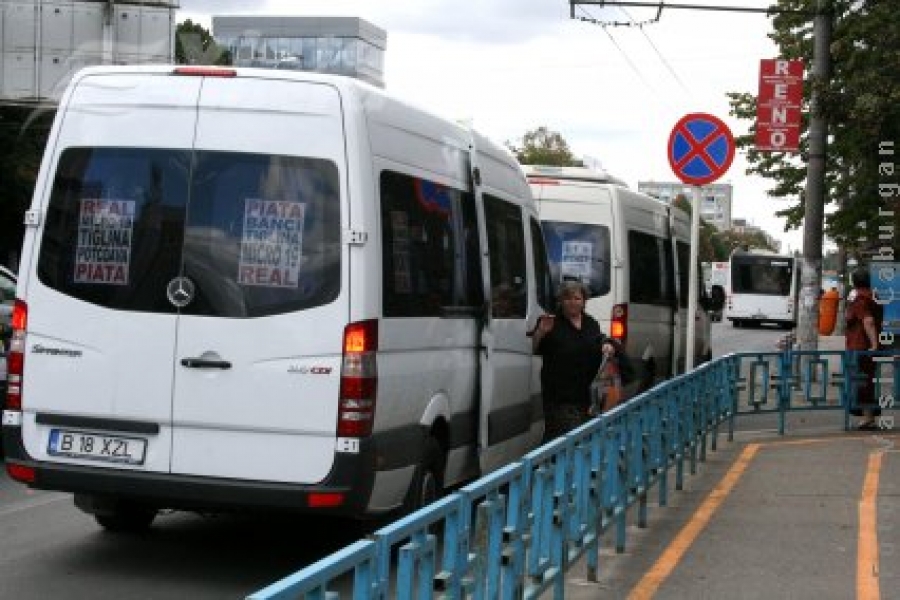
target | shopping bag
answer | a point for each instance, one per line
(606, 389)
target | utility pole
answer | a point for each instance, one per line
(814, 200)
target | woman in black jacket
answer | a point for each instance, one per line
(572, 346)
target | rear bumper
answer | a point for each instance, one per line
(352, 476)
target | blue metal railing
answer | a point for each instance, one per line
(784, 382)
(515, 532)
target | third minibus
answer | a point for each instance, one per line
(762, 288)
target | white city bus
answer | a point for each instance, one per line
(762, 288)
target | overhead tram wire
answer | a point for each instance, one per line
(662, 58)
(661, 4)
(590, 19)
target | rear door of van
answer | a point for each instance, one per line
(257, 359)
(577, 222)
(101, 334)
(188, 266)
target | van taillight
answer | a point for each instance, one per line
(15, 359)
(359, 378)
(618, 322)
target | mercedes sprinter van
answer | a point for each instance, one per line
(269, 289)
(633, 252)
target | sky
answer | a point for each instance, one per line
(614, 93)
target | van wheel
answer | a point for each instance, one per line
(127, 520)
(428, 480)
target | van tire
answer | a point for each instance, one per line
(428, 480)
(127, 520)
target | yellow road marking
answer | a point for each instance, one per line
(867, 587)
(867, 564)
(665, 564)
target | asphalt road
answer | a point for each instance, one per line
(49, 549)
(727, 339)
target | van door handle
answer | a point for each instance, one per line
(203, 363)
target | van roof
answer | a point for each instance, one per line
(363, 92)
(572, 174)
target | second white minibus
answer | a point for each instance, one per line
(633, 252)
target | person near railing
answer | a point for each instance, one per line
(863, 324)
(572, 346)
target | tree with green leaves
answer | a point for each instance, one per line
(542, 146)
(194, 45)
(861, 102)
(715, 245)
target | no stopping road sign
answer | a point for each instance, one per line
(701, 148)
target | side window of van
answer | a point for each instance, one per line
(430, 256)
(579, 251)
(650, 269)
(684, 273)
(506, 245)
(544, 282)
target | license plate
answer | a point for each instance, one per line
(96, 446)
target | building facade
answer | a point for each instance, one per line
(716, 198)
(44, 42)
(341, 45)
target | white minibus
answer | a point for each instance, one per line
(762, 288)
(270, 290)
(633, 252)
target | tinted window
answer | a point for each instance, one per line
(544, 283)
(506, 245)
(650, 270)
(7, 289)
(761, 275)
(579, 252)
(263, 234)
(256, 234)
(684, 273)
(430, 247)
(7, 300)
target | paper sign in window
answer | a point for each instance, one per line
(103, 246)
(271, 243)
(400, 252)
(576, 260)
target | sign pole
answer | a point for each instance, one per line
(692, 281)
(700, 151)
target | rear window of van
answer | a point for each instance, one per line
(580, 252)
(254, 234)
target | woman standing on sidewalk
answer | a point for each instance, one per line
(572, 346)
(863, 325)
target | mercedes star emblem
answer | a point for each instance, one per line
(180, 291)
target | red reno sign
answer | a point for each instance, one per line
(778, 105)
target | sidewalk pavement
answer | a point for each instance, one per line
(766, 518)
(805, 515)
(831, 342)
